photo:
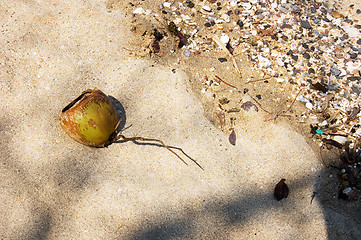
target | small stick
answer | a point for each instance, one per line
(258, 104)
(224, 48)
(226, 82)
(258, 80)
(274, 115)
(126, 139)
(294, 100)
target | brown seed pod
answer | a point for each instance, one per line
(281, 190)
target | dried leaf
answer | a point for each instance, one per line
(221, 117)
(270, 116)
(281, 190)
(232, 138)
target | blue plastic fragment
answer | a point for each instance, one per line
(318, 131)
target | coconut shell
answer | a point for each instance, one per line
(90, 119)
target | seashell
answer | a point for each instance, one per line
(90, 119)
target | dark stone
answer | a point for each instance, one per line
(240, 23)
(207, 24)
(258, 96)
(354, 78)
(306, 25)
(306, 56)
(190, 5)
(294, 58)
(344, 37)
(353, 55)
(359, 41)
(222, 60)
(158, 36)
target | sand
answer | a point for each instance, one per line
(54, 188)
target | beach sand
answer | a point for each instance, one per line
(55, 188)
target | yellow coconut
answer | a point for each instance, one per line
(90, 119)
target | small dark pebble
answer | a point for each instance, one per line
(164, 11)
(344, 37)
(306, 56)
(359, 41)
(294, 58)
(354, 78)
(219, 8)
(258, 96)
(306, 24)
(326, 20)
(353, 55)
(245, 90)
(237, 11)
(190, 5)
(222, 60)
(240, 23)
(281, 190)
(311, 71)
(207, 24)
(313, 9)
(358, 11)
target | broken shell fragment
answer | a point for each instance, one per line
(90, 119)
